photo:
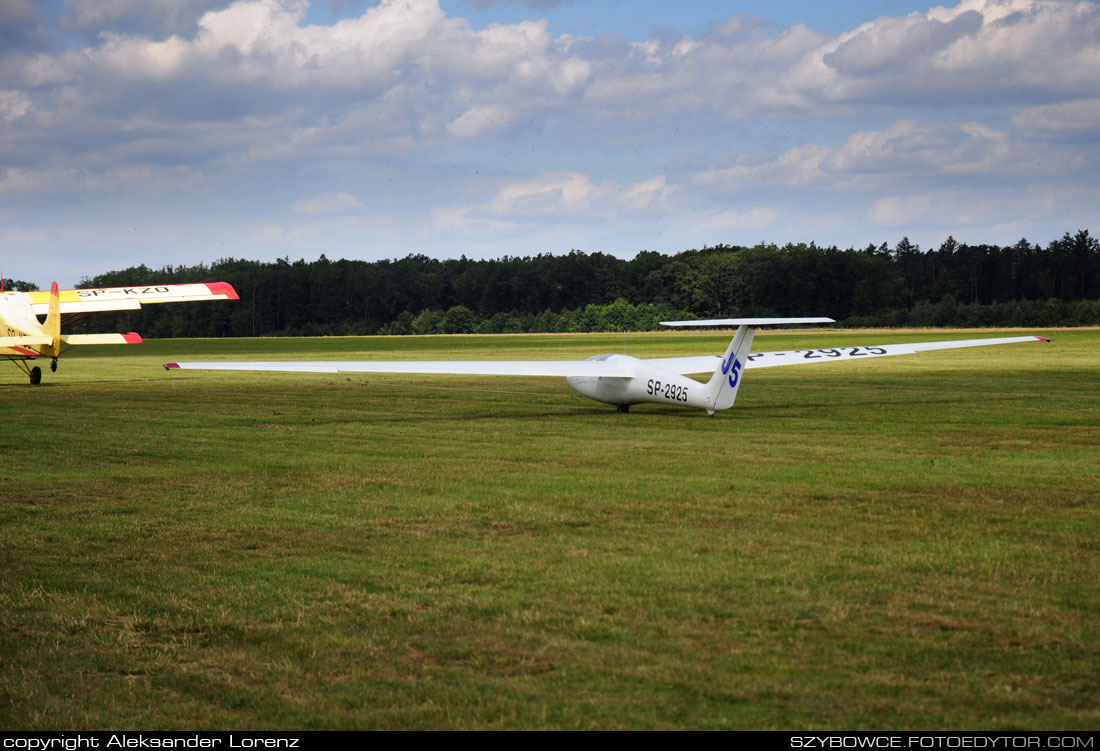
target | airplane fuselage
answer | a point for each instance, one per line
(16, 316)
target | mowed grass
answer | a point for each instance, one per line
(910, 542)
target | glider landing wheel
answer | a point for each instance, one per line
(53, 365)
(624, 407)
(36, 375)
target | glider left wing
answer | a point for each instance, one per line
(560, 368)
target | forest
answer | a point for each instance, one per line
(955, 284)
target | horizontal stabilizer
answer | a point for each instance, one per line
(80, 339)
(24, 346)
(24, 341)
(747, 322)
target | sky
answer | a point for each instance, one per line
(180, 132)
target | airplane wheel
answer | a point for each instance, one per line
(624, 407)
(53, 365)
(36, 375)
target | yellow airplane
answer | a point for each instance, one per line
(24, 339)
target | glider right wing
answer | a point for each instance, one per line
(706, 363)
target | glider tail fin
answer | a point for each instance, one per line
(722, 386)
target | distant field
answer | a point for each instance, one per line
(912, 542)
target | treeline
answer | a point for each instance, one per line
(953, 285)
(14, 285)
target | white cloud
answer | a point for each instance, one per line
(985, 50)
(738, 221)
(62, 180)
(795, 167)
(463, 220)
(415, 77)
(1040, 212)
(991, 51)
(566, 200)
(899, 43)
(157, 18)
(650, 195)
(403, 72)
(266, 42)
(280, 235)
(563, 193)
(907, 152)
(482, 119)
(327, 203)
(1075, 120)
(14, 105)
(953, 209)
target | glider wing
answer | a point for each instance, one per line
(707, 363)
(559, 368)
(830, 354)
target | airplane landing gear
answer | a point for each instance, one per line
(36, 375)
(624, 407)
(53, 365)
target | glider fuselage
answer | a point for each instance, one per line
(642, 382)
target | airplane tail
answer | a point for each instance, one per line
(52, 327)
(722, 386)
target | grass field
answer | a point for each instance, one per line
(912, 542)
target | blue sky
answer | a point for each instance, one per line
(177, 132)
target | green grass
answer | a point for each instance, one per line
(905, 543)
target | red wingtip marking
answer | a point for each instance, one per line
(1042, 339)
(171, 366)
(132, 338)
(223, 288)
(53, 288)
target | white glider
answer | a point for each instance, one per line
(623, 380)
